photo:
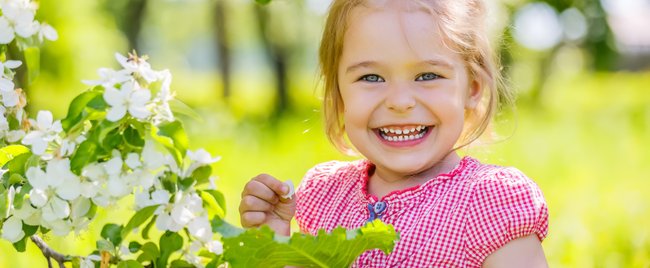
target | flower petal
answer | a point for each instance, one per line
(115, 113)
(12, 230)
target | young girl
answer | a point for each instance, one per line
(408, 83)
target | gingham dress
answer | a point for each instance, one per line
(454, 220)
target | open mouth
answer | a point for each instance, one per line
(397, 134)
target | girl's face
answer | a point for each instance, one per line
(404, 91)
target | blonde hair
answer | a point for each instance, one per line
(460, 23)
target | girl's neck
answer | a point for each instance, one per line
(383, 182)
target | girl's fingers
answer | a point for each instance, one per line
(261, 191)
(274, 184)
(252, 218)
(253, 203)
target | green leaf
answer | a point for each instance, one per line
(133, 137)
(145, 230)
(29, 230)
(263, 2)
(105, 245)
(112, 140)
(33, 62)
(149, 252)
(186, 183)
(85, 153)
(134, 246)
(98, 103)
(339, 248)
(9, 152)
(20, 245)
(178, 107)
(173, 137)
(77, 107)
(111, 232)
(202, 174)
(16, 178)
(129, 264)
(18, 163)
(180, 264)
(226, 229)
(169, 243)
(13, 122)
(214, 202)
(138, 218)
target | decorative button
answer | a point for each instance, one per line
(380, 207)
(376, 210)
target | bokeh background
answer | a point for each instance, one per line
(580, 128)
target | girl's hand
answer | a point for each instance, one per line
(262, 203)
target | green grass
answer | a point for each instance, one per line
(586, 143)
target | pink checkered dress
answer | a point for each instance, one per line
(454, 220)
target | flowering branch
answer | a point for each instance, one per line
(49, 253)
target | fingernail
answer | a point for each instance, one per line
(285, 189)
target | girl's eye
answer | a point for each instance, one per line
(427, 76)
(372, 78)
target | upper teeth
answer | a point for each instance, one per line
(403, 134)
(400, 131)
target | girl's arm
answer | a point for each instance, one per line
(521, 252)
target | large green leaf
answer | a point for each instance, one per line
(76, 108)
(9, 152)
(339, 248)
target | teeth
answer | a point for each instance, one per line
(401, 137)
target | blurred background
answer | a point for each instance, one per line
(580, 129)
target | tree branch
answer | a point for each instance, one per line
(49, 253)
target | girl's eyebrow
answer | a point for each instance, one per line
(363, 64)
(433, 62)
(437, 62)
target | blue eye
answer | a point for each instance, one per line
(372, 78)
(427, 77)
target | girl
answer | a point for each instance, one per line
(408, 83)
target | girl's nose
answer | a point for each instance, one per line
(400, 99)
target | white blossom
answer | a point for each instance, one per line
(200, 228)
(130, 97)
(17, 19)
(45, 31)
(109, 78)
(86, 263)
(175, 216)
(12, 230)
(137, 66)
(52, 188)
(44, 132)
(9, 95)
(196, 159)
(29, 214)
(133, 160)
(215, 246)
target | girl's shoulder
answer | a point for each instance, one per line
(496, 181)
(504, 204)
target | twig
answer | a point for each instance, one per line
(49, 253)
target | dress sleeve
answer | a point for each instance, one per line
(505, 205)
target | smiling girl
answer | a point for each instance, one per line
(409, 83)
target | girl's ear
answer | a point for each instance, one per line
(474, 94)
